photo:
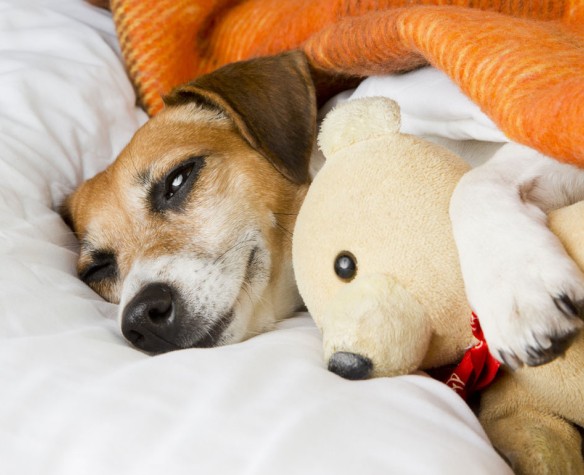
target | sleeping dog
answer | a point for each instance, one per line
(190, 228)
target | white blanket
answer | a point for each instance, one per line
(76, 399)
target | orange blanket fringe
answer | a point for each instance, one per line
(521, 61)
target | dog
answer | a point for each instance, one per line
(189, 230)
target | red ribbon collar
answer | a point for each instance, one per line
(477, 369)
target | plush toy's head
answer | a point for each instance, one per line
(374, 256)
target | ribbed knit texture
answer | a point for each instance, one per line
(522, 62)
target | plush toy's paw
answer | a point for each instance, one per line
(535, 443)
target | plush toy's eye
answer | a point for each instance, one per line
(346, 265)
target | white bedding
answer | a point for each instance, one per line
(76, 399)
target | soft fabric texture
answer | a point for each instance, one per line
(522, 62)
(430, 105)
(77, 399)
(382, 198)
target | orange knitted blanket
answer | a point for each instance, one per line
(521, 61)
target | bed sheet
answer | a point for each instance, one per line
(76, 399)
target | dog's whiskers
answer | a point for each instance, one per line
(139, 175)
(285, 231)
(247, 289)
(219, 259)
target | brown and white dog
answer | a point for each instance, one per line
(190, 228)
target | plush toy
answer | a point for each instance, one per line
(377, 266)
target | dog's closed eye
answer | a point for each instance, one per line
(103, 266)
(170, 192)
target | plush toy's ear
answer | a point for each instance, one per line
(357, 121)
(271, 101)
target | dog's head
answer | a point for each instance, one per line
(189, 230)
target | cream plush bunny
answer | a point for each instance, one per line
(376, 264)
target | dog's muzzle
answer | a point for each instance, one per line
(150, 321)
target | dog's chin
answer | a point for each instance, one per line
(217, 333)
(231, 327)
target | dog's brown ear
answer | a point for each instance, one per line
(101, 3)
(272, 102)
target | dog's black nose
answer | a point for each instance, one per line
(149, 320)
(350, 365)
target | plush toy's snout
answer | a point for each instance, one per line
(366, 321)
(350, 365)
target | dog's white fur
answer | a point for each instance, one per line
(515, 270)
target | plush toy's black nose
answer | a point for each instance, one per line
(350, 365)
(149, 320)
